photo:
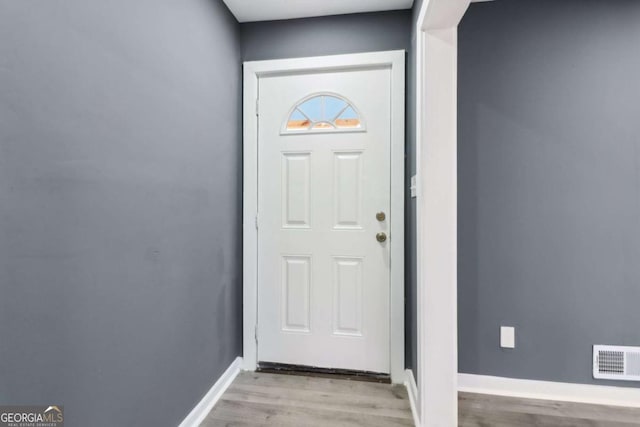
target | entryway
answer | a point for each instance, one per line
(324, 213)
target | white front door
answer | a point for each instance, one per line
(324, 209)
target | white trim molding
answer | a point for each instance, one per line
(436, 154)
(202, 409)
(547, 390)
(412, 391)
(253, 71)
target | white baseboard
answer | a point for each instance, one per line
(546, 390)
(412, 390)
(202, 409)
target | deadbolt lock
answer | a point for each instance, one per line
(380, 216)
(381, 237)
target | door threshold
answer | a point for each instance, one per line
(312, 371)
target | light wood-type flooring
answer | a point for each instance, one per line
(260, 399)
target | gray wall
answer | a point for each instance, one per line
(332, 35)
(120, 274)
(549, 184)
(349, 34)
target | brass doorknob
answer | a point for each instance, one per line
(380, 216)
(381, 237)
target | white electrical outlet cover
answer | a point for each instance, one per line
(507, 337)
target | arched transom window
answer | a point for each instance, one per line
(324, 112)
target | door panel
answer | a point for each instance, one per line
(348, 300)
(296, 186)
(347, 190)
(323, 278)
(296, 288)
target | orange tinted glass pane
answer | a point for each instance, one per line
(298, 124)
(322, 125)
(348, 123)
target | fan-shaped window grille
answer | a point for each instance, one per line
(324, 113)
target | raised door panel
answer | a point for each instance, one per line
(347, 302)
(347, 190)
(296, 293)
(296, 190)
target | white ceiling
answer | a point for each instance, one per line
(266, 10)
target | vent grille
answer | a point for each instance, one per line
(611, 362)
(616, 363)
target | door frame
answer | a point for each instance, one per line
(253, 70)
(437, 207)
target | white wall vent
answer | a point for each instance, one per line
(616, 363)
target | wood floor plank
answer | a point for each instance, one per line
(211, 422)
(477, 410)
(512, 419)
(328, 385)
(260, 414)
(470, 402)
(313, 399)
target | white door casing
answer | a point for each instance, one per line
(436, 154)
(323, 278)
(327, 250)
